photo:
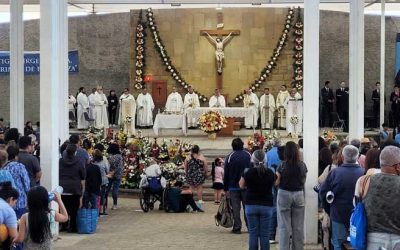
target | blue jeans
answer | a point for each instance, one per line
(274, 218)
(339, 235)
(259, 222)
(114, 184)
(90, 200)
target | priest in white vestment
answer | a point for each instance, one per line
(127, 104)
(83, 107)
(100, 109)
(251, 102)
(267, 109)
(191, 101)
(217, 100)
(145, 106)
(174, 102)
(92, 113)
(280, 101)
(71, 103)
(294, 109)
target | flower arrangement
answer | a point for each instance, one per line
(212, 122)
(294, 120)
(269, 139)
(121, 137)
(329, 136)
(257, 140)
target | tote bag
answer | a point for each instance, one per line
(87, 220)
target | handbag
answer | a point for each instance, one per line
(86, 220)
(358, 223)
(224, 216)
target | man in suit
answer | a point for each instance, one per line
(327, 104)
(376, 103)
(342, 103)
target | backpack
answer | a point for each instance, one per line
(224, 216)
(155, 184)
(358, 223)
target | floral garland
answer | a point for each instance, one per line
(272, 63)
(164, 55)
(298, 52)
(140, 52)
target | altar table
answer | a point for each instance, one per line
(169, 121)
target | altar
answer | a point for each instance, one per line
(229, 113)
(169, 121)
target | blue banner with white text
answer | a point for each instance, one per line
(32, 63)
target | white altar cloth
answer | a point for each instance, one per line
(172, 121)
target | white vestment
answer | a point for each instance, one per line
(267, 109)
(217, 101)
(92, 113)
(294, 107)
(145, 106)
(71, 103)
(100, 109)
(251, 102)
(191, 102)
(83, 106)
(174, 102)
(280, 101)
(127, 105)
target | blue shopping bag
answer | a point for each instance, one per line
(86, 220)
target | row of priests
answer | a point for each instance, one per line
(266, 106)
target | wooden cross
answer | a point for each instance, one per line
(220, 32)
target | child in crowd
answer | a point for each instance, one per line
(104, 166)
(8, 218)
(35, 226)
(217, 174)
(93, 181)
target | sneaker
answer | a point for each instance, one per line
(114, 207)
(236, 231)
(272, 241)
(200, 210)
(103, 214)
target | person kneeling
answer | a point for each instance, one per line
(180, 197)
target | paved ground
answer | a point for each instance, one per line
(130, 228)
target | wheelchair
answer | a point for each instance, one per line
(150, 195)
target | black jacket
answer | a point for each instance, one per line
(71, 173)
(93, 179)
(375, 97)
(342, 100)
(112, 102)
(327, 95)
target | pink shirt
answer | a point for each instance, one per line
(219, 174)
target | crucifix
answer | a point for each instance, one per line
(219, 43)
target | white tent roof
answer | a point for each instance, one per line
(85, 7)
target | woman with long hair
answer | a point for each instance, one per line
(196, 171)
(35, 226)
(258, 182)
(291, 176)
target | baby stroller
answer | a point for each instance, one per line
(150, 193)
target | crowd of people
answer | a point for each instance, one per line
(270, 187)
(268, 184)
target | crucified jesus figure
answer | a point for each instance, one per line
(219, 49)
